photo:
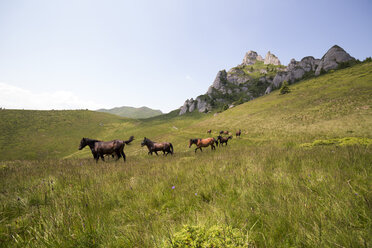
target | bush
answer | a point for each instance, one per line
(368, 59)
(285, 88)
(216, 236)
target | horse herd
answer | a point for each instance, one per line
(116, 147)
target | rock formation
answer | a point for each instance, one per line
(250, 79)
(251, 57)
(332, 58)
(271, 59)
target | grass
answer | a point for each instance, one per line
(266, 187)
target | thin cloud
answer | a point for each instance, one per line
(13, 97)
(188, 77)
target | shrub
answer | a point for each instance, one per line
(215, 236)
(285, 88)
(368, 59)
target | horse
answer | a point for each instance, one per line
(224, 132)
(155, 147)
(100, 148)
(238, 133)
(203, 143)
(209, 131)
(223, 139)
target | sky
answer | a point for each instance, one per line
(78, 54)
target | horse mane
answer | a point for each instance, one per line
(149, 141)
(92, 140)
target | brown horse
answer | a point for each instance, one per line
(209, 131)
(223, 139)
(100, 148)
(155, 147)
(238, 133)
(224, 132)
(203, 143)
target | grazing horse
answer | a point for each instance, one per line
(209, 131)
(238, 133)
(224, 132)
(203, 143)
(155, 147)
(100, 148)
(223, 139)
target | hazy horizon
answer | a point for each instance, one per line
(94, 55)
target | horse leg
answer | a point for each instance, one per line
(118, 154)
(156, 153)
(200, 149)
(103, 159)
(123, 154)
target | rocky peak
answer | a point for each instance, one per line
(251, 57)
(332, 58)
(271, 59)
(218, 81)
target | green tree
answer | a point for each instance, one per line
(285, 88)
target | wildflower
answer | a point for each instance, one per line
(173, 187)
(196, 194)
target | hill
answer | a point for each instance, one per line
(131, 112)
(299, 176)
(32, 134)
(257, 76)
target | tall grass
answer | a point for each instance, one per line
(279, 196)
(277, 193)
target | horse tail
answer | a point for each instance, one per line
(171, 147)
(131, 138)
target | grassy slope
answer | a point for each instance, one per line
(278, 193)
(29, 134)
(131, 112)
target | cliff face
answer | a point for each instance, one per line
(257, 76)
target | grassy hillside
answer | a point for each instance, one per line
(265, 189)
(131, 112)
(28, 134)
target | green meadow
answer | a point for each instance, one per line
(299, 176)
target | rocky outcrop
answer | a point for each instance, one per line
(251, 57)
(250, 79)
(237, 76)
(297, 69)
(271, 59)
(332, 58)
(218, 82)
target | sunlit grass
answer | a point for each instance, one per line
(264, 184)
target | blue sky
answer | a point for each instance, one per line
(93, 54)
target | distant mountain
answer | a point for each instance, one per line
(131, 112)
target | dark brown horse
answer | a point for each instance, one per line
(100, 148)
(238, 133)
(203, 143)
(155, 147)
(223, 140)
(224, 132)
(209, 131)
